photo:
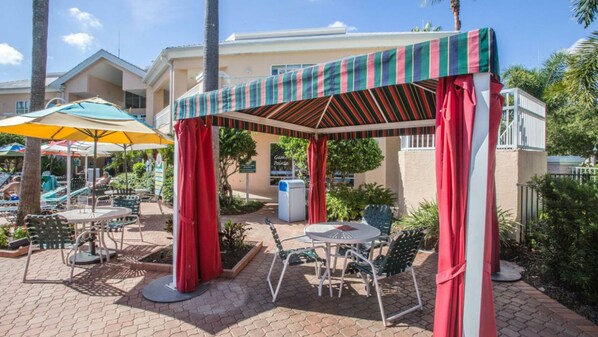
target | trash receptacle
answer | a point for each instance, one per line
(291, 200)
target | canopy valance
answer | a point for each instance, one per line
(385, 93)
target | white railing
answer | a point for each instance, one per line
(162, 118)
(585, 171)
(523, 125)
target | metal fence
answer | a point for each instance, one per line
(530, 203)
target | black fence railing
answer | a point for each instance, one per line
(530, 207)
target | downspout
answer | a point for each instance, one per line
(171, 95)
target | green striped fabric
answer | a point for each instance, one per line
(390, 86)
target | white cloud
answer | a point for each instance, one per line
(80, 40)
(576, 46)
(342, 24)
(87, 20)
(152, 12)
(9, 55)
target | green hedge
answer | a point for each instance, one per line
(346, 203)
(566, 235)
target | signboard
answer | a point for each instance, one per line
(281, 167)
(158, 174)
(248, 168)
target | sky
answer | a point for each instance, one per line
(528, 31)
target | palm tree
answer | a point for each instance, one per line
(585, 11)
(30, 185)
(455, 7)
(426, 28)
(210, 74)
(582, 75)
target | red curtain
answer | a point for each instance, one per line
(198, 251)
(455, 112)
(317, 151)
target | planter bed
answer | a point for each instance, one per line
(161, 260)
(14, 253)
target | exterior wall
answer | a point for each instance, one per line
(418, 177)
(385, 175)
(259, 182)
(132, 82)
(8, 102)
(106, 90)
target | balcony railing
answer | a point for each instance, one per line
(523, 125)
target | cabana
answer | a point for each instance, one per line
(447, 86)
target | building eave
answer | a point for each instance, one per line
(100, 54)
(24, 90)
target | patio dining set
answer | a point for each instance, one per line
(368, 249)
(72, 229)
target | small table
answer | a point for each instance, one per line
(85, 215)
(340, 233)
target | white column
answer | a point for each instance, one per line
(476, 208)
(175, 209)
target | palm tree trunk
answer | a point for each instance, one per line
(210, 76)
(30, 184)
(456, 8)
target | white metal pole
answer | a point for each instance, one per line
(247, 187)
(86, 166)
(68, 174)
(476, 208)
(175, 210)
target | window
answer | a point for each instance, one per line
(22, 107)
(285, 68)
(281, 167)
(134, 101)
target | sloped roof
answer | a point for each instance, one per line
(100, 54)
(25, 84)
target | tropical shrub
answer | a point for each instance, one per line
(146, 180)
(19, 233)
(3, 239)
(566, 233)
(139, 169)
(167, 186)
(233, 235)
(346, 203)
(426, 216)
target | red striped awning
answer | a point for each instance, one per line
(387, 93)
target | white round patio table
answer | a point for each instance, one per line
(339, 233)
(84, 216)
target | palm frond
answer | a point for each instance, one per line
(585, 11)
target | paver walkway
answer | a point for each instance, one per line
(106, 300)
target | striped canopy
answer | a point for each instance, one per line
(387, 93)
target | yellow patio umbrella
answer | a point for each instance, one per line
(94, 120)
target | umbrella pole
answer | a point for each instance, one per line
(68, 174)
(126, 169)
(93, 175)
(86, 166)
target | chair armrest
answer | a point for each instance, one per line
(293, 238)
(352, 252)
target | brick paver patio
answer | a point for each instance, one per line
(106, 300)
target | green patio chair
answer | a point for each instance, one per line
(103, 199)
(399, 258)
(379, 216)
(290, 257)
(132, 202)
(52, 232)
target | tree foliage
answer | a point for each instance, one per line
(428, 27)
(455, 6)
(236, 148)
(585, 11)
(344, 156)
(6, 138)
